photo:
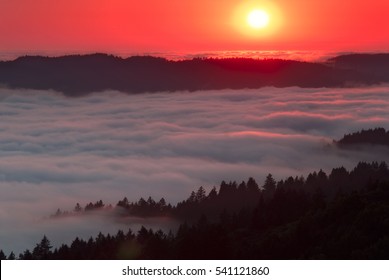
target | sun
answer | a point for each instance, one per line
(258, 19)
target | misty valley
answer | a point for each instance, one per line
(274, 173)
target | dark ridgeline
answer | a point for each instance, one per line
(77, 75)
(343, 215)
(375, 64)
(377, 136)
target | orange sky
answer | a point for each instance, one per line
(191, 25)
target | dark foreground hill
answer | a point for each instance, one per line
(81, 74)
(342, 215)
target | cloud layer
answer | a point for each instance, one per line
(56, 151)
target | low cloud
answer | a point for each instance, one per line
(56, 151)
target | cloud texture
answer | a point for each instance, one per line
(56, 151)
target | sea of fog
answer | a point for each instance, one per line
(56, 151)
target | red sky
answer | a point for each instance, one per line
(191, 25)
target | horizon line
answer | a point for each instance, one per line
(300, 55)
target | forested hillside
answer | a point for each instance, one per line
(340, 215)
(77, 75)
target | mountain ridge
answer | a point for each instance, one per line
(77, 75)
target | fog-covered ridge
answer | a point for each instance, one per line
(77, 75)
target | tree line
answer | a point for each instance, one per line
(376, 136)
(342, 215)
(77, 75)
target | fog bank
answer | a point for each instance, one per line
(56, 151)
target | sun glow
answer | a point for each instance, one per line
(258, 19)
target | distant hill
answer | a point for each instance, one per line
(376, 65)
(77, 75)
(377, 136)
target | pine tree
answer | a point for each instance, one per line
(77, 208)
(2, 255)
(270, 183)
(11, 256)
(252, 185)
(192, 197)
(200, 194)
(42, 251)
(212, 194)
(269, 187)
(26, 255)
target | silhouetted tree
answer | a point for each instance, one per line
(162, 203)
(252, 186)
(58, 212)
(151, 202)
(2, 255)
(242, 187)
(192, 197)
(42, 250)
(77, 208)
(212, 194)
(26, 255)
(200, 194)
(269, 187)
(11, 256)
